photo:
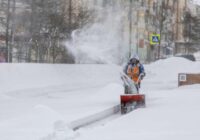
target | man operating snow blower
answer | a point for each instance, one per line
(135, 71)
(132, 76)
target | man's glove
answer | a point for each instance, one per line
(142, 75)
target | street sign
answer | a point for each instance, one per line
(154, 39)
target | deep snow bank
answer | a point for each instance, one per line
(24, 76)
(164, 73)
(37, 99)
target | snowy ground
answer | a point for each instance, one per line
(37, 101)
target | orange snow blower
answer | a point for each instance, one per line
(131, 99)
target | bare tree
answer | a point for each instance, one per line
(36, 32)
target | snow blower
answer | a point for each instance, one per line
(131, 99)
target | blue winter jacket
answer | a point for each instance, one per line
(141, 68)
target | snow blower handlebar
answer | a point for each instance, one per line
(140, 78)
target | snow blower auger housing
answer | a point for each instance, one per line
(130, 102)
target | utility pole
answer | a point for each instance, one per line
(7, 31)
(70, 15)
(177, 21)
(137, 50)
(161, 27)
(12, 29)
(130, 27)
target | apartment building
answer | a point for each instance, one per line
(163, 17)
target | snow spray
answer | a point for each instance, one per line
(102, 41)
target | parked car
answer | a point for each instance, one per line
(187, 56)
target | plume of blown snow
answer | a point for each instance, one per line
(101, 42)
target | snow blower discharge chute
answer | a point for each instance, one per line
(131, 99)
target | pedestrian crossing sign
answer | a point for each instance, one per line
(154, 39)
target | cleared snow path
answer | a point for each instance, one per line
(95, 118)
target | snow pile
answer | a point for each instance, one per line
(61, 132)
(39, 101)
(197, 56)
(40, 76)
(164, 73)
(30, 125)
